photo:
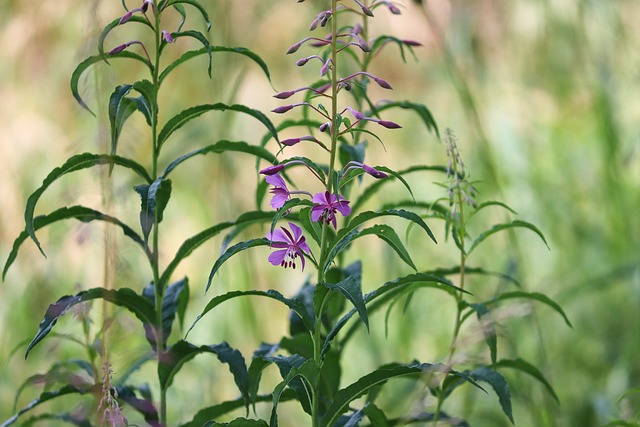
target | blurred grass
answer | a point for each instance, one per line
(543, 96)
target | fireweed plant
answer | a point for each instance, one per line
(308, 229)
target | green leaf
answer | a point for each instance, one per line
(239, 422)
(259, 362)
(420, 109)
(239, 247)
(84, 65)
(499, 227)
(189, 245)
(294, 304)
(351, 289)
(488, 330)
(383, 231)
(312, 228)
(113, 24)
(379, 376)
(284, 210)
(389, 291)
(490, 203)
(528, 368)
(317, 170)
(123, 297)
(376, 186)
(221, 409)
(408, 215)
(223, 147)
(120, 109)
(309, 371)
(173, 295)
(180, 119)
(213, 49)
(198, 36)
(145, 102)
(376, 417)
(80, 213)
(154, 199)
(74, 163)
(195, 4)
(499, 385)
(182, 351)
(533, 296)
(66, 417)
(144, 406)
(44, 397)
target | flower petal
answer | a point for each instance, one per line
(277, 257)
(316, 212)
(297, 232)
(343, 207)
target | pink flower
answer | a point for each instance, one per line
(280, 191)
(326, 206)
(290, 246)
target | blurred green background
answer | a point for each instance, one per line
(543, 96)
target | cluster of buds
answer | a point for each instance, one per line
(112, 416)
(143, 9)
(459, 189)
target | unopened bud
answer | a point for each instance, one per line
(167, 36)
(382, 83)
(374, 172)
(272, 170)
(118, 49)
(284, 95)
(294, 48)
(411, 43)
(388, 124)
(282, 109)
(126, 17)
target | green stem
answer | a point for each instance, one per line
(317, 333)
(158, 285)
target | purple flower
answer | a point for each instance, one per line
(290, 246)
(280, 191)
(326, 206)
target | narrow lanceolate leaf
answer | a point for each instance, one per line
(239, 422)
(171, 306)
(80, 213)
(536, 297)
(66, 417)
(153, 201)
(120, 109)
(487, 204)
(500, 227)
(410, 216)
(182, 351)
(113, 24)
(488, 329)
(372, 189)
(295, 362)
(223, 147)
(44, 397)
(213, 49)
(123, 297)
(351, 289)
(217, 411)
(75, 163)
(312, 228)
(526, 367)
(499, 385)
(390, 290)
(231, 252)
(308, 371)
(144, 406)
(195, 35)
(420, 109)
(296, 305)
(284, 210)
(144, 102)
(191, 244)
(195, 4)
(345, 396)
(84, 65)
(180, 119)
(383, 231)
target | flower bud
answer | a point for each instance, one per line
(411, 43)
(118, 49)
(126, 17)
(323, 127)
(294, 48)
(290, 142)
(388, 124)
(272, 170)
(302, 61)
(325, 67)
(382, 83)
(374, 172)
(282, 109)
(167, 36)
(284, 95)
